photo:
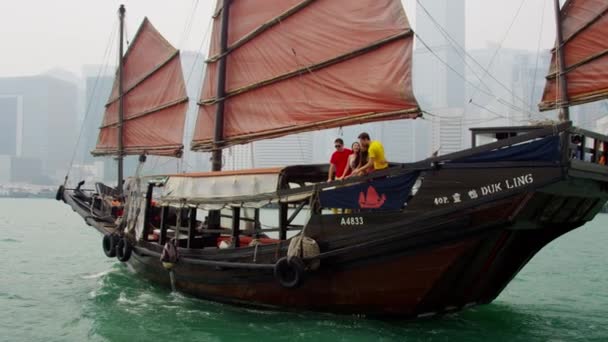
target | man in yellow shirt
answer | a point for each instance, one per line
(375, 155)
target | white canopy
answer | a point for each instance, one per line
(216, 190)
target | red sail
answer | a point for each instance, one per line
(585, 47)
(302, 65)
(154, 100)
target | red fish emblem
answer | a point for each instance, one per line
(371, 200)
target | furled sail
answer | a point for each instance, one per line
(584, 27)
(154, 101)
(302, 65)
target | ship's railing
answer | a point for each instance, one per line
(579, 144)
(187, 223)
(588, 146)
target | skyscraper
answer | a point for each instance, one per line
(38, 122)
(436, 85)
(440, 89)
(288, 150)
(193, 66)
(98, 85)
(98, 82)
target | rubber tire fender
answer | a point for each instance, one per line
(124, 250)
(108, 244)
(289, 272)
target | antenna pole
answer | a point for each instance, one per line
(564, 110)
(121, 15)
(216, 158)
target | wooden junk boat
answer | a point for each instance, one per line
(412, 240)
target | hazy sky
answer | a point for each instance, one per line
(38, 35)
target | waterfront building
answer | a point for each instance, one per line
(289, 150)
(440, 89)
(98, 83)
(38, 121)
(601, 125)
(193, 66)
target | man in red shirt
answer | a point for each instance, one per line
(338, 161)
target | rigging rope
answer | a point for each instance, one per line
(486, 70)
(498, 115)
(188, 26)
(205, 39)
(206, 36)
(540, 35)
(126, 28)
(184, 36)
(432, 117)
(105, 62)
(462, 76)
(156, 159)
(463, 54)
(457, 47)
(187, 165)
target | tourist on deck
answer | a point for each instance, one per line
(354, 160)
(338, 161)
(375, 154)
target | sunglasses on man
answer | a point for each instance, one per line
(337, 146)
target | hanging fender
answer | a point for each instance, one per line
(169, 256)
(289, 272)
(124, 250)
(108, 244)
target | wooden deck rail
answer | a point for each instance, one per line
(588, 146)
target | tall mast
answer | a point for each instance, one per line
(216, 159)
(121, 15)
(216, 156)
(564, 110)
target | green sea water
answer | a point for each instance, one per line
(56, 285)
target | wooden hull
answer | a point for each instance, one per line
(430, 273)
(461, 239)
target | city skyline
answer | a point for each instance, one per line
(82, 39)
(453, 104)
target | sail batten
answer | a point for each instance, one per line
(115, 97)
(579, 64)
(309, 68)
(584, 26)
(323, 64)
(148, 112)
(350, 120)
(574, 34)
(260, 29)
(154, 100)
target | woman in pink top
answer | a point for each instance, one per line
(353, 160)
